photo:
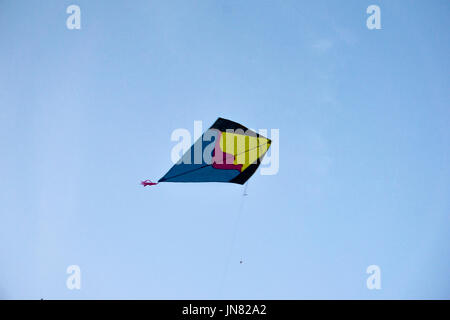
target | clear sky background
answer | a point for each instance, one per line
(364, 120)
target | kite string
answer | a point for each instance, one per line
(233, 239)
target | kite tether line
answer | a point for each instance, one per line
(233, 239)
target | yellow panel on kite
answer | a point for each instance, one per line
(246, 149)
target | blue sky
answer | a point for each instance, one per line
(364, 172)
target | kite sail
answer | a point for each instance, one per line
(226, 152)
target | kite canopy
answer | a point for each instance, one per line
(226, 152)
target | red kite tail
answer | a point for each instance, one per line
(148, 183)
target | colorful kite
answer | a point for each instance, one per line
(226, 152)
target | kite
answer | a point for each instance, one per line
(226, 152)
